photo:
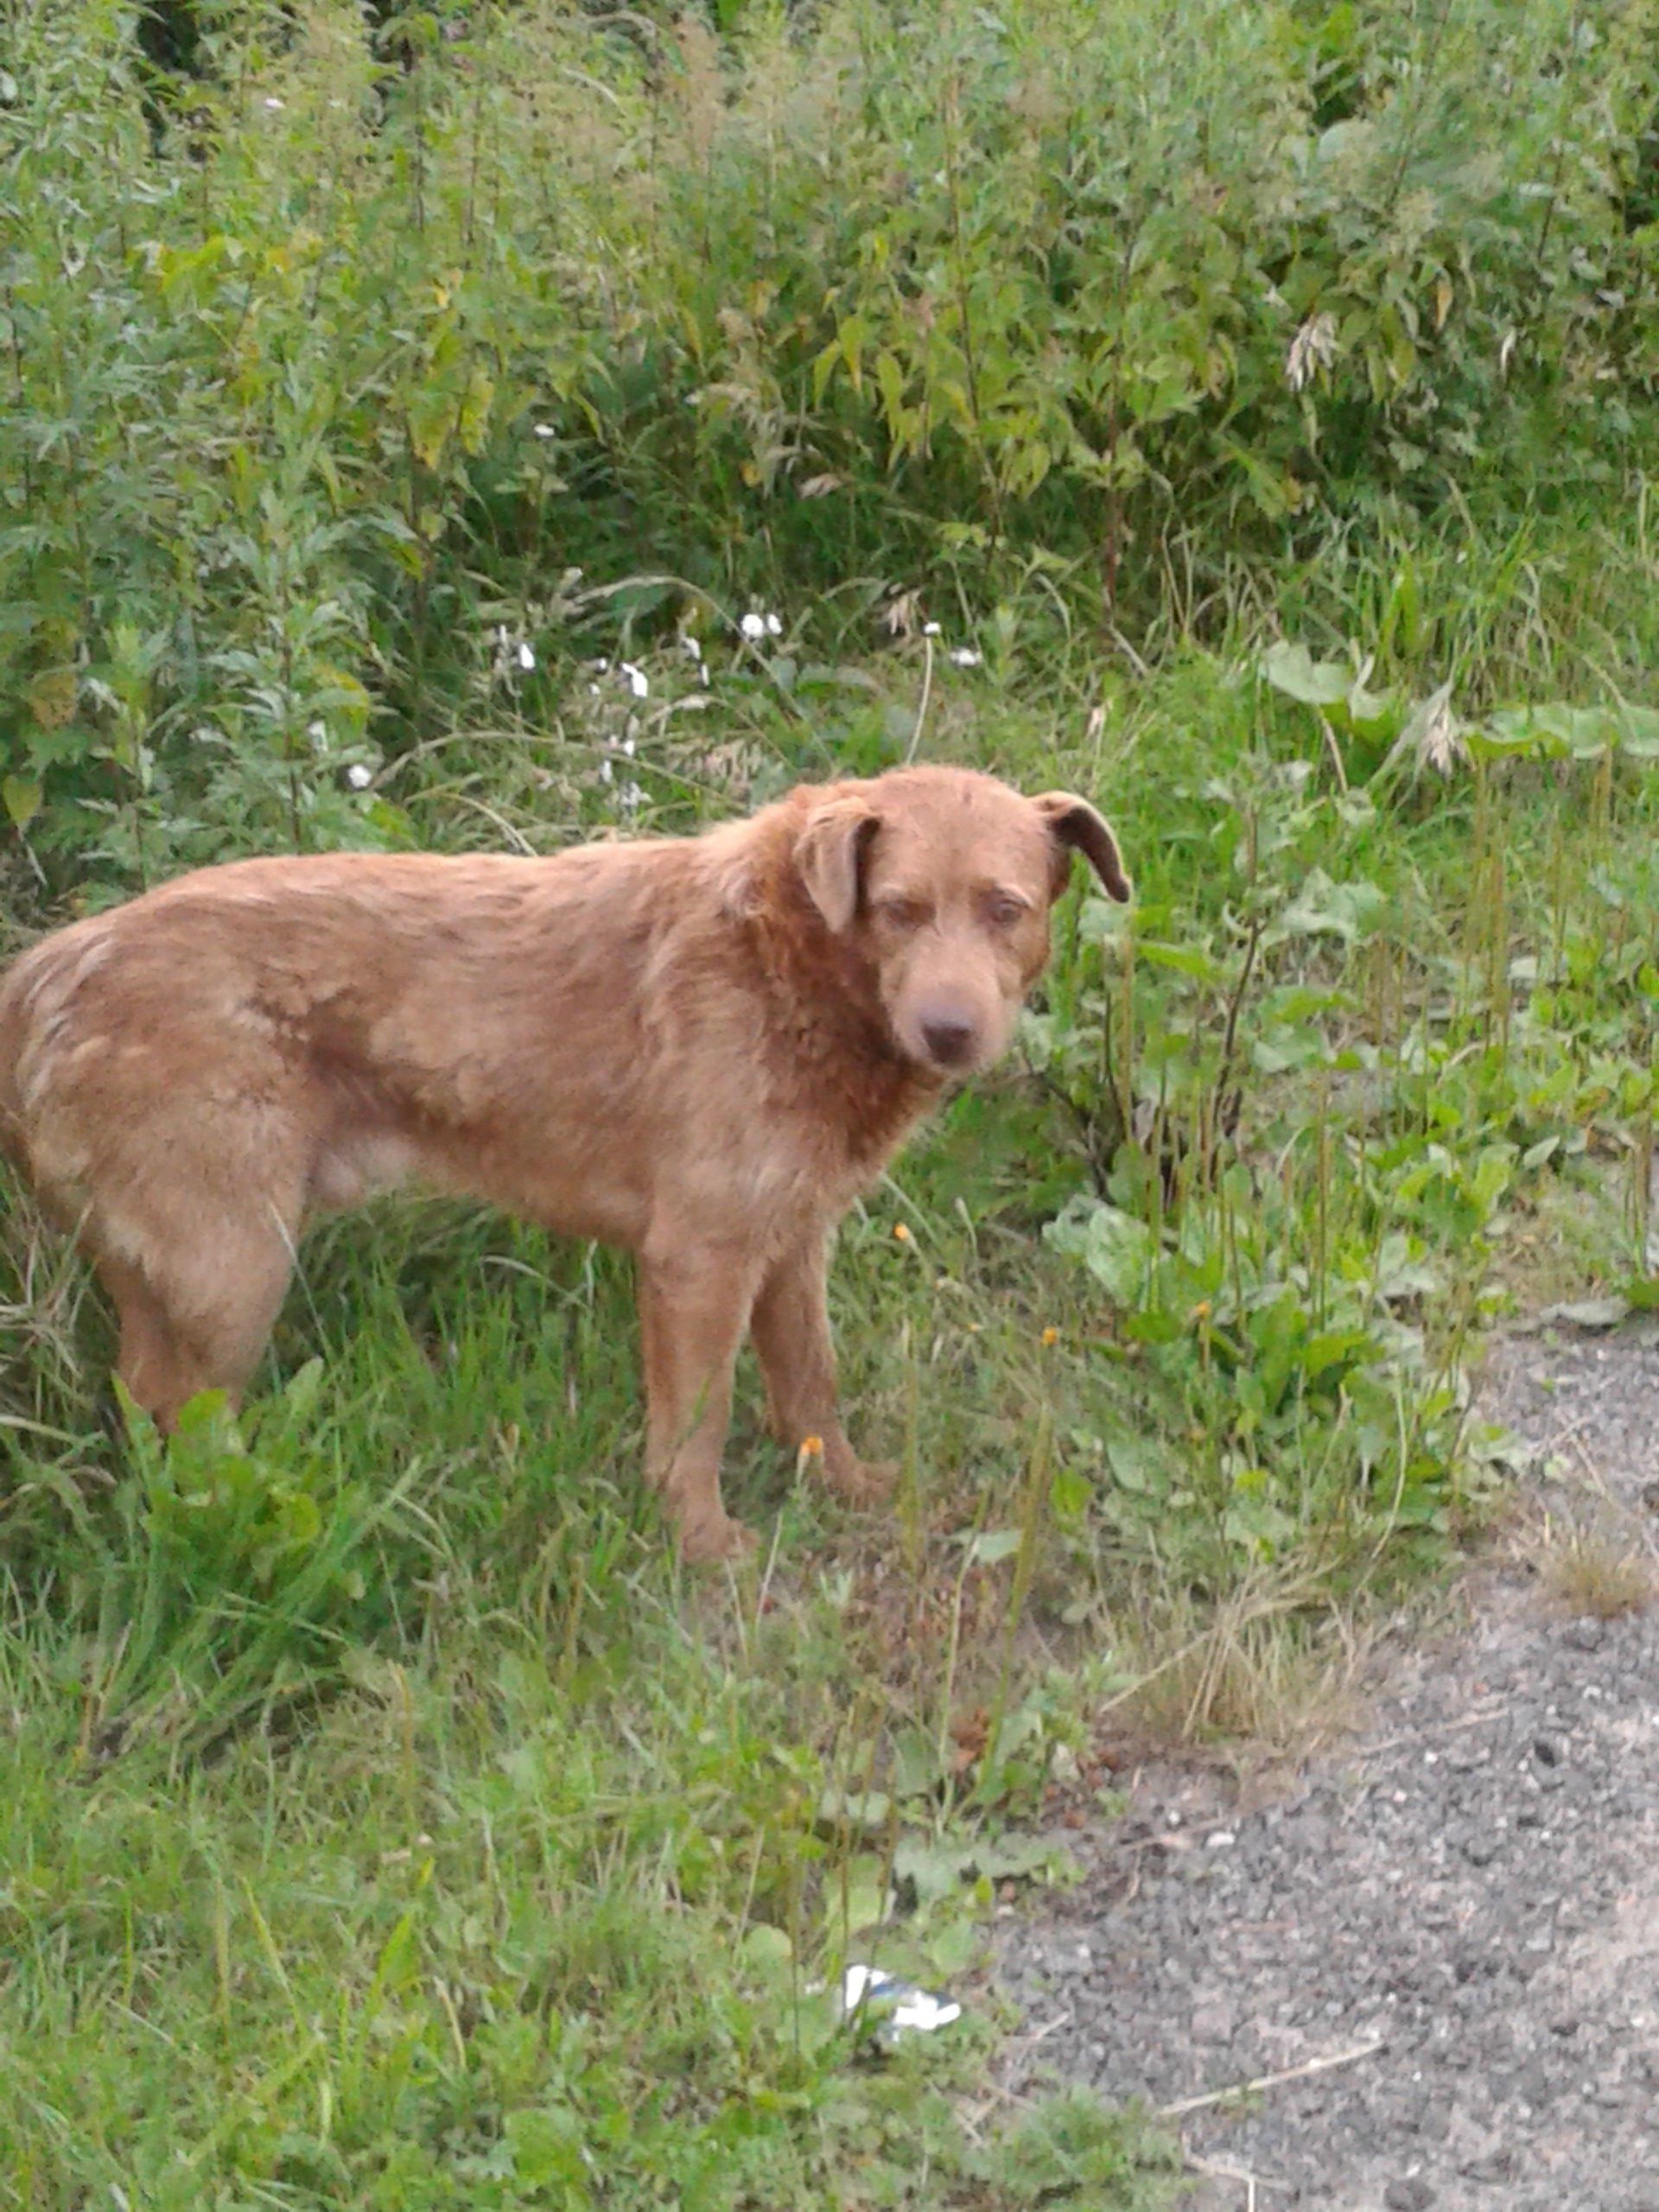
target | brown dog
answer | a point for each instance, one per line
(700, 1048)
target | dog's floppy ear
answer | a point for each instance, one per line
(1076, 827)
(830, 854)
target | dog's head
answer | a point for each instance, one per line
(943, 880)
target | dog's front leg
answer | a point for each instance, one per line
(693, 1302)
(790, 1328)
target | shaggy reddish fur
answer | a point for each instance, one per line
(700, 1048)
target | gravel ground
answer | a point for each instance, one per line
(1459, 1907)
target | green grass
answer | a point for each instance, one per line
(385, 1823)
(384, 1819)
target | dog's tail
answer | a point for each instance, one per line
(13, 1020)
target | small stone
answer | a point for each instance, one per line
(1564, 2027)
(1494, 2166)
(1413, 2195)
(1214, 2023)
(1587, 1634)
(1546, 1753)
(1480, 1850)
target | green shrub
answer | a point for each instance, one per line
(325, 367)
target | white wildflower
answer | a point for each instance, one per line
(317, 731)
(273, 102)
(547, 431)
(929, 629)
(607, 773)
(600, 667)
(754, 626)
(359, 777)
(692, 647)
(629, 796)
(775, 627)
(628, 747)
(965, 656)
(638, 683)
(1314, 347)
(526, 656)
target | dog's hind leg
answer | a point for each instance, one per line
(790, 1329)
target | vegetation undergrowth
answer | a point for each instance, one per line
(494, 428)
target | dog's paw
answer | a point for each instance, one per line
(860, 1482)
(714, 1536)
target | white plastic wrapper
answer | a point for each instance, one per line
(898, 2006)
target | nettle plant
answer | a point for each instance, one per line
(1295, 1217)
(1320, 1120)
(1275, 1309)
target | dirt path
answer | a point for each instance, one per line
(1461, 1906)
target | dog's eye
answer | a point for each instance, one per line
(901, 913)
(1004, 909)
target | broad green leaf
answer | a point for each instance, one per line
(1350, 911)
(52, 696)
(21, 797)
(1184, 959)
(767, 1945)
(1136, 1466)
(1290, 668)
(990, 1546)
(1116, 1248)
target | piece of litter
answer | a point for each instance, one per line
(1219, 1840)
(863, 1987)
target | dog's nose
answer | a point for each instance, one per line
(948, 1039)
